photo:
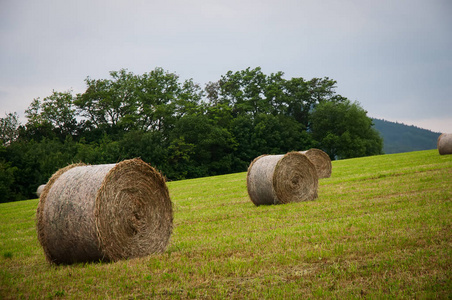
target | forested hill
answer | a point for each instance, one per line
(398, 138)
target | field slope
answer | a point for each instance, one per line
(381, 228)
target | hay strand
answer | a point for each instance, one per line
(279, 179)
(104, 212)
(321, 161)
(444, 144)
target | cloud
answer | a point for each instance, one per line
(392, 56)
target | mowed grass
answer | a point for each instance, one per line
(381, 228)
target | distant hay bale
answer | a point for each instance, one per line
(40, 189)
(104, 212)
(321, 161)
(279, 179)
(444, 143)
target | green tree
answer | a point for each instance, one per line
(278, 134)
(242, 129)
(6, 178)
(203, 148)
(252, 92)
(127, 102)
(52, 116)
(103, 151)
(110, 104)
(151, 146)
(301, 96)
(343, 130)
(33, 162)
(9, 129)
(162, 99)
(37, 126)
(243, 91)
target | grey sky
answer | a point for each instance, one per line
(394, 57)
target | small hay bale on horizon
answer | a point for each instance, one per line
(105, 212)
(40, 190)
(444, 144)
(280, 179)
(321, 161)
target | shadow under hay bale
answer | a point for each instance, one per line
(40, 190)
(279, 179)
(444, 143)
(321, 161)
(104, 212)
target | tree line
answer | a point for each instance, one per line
(183, 130)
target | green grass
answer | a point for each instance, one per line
(381, 228)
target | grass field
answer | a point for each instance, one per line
(381, 228)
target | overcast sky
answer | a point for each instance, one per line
(394, 57)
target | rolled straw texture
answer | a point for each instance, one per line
(279, 179)
(40, 190)
(321, 161)
(444, 143)
(104, 212)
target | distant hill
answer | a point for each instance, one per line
(400, 138)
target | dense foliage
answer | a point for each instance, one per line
(181, 129)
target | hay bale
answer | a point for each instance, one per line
(321, 161)
(279, 179)
(40, 189)
(104, 212)
(444, 143)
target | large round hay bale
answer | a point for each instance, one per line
(321, 161)
(40, 190)
(444, 143)
(104, 212)
(279, 179)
